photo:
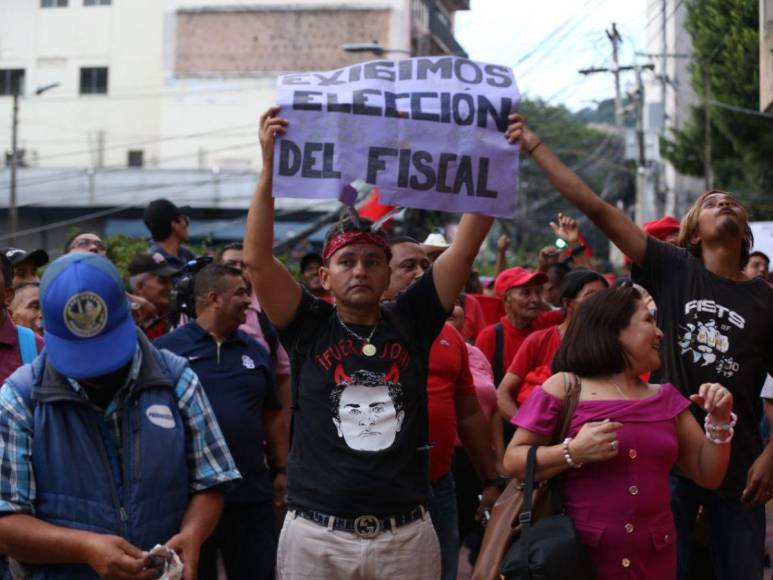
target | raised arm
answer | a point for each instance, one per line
(617, 226)
(452, 268)
(278, 292)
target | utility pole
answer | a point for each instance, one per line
(663, 56)
(13, 215)
(707, 177)
(13, 212)
(615, 39)
(645, 197)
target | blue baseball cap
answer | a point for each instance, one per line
(89, 331)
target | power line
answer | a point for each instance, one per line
(555, 31)
(737, 109)
(79, 172)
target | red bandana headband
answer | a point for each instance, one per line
(339, 241)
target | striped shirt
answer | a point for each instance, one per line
(208, 458)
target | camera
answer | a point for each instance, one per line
(182, 300)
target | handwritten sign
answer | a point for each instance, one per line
(428, 131)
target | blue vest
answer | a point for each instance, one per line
(83, 481)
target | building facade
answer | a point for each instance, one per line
(668, 97)
(172, 85)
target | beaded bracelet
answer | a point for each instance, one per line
(713, 430)
(568, 456)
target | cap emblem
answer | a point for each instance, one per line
(85, 314)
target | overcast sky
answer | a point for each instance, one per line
(555, 38)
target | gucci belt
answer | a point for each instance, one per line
(364, 526)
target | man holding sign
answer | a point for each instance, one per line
(358, 478)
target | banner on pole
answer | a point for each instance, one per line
(427, 131)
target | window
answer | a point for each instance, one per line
(135, 158)
(53, 3)
(11, 81)
(97, 2)
(94, 81)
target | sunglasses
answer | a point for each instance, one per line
(85, 243)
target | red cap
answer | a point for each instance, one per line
(662, 228)
(514, 277)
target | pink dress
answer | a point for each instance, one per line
(621, 507)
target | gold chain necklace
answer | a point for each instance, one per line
(368, 348)
(619, 390)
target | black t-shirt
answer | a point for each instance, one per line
(360, 443)
(716, 330)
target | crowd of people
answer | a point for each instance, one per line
(360, 419)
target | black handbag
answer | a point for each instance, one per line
(548, 548)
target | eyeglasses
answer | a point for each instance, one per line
(87, 244)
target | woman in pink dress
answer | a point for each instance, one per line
(624, 437)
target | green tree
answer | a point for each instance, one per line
(595, 154)
(725, 35)
(121, 249)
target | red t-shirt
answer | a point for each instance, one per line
(449, 377)
(474, 321)
(10, 356)
(533, 360)
(514, 336)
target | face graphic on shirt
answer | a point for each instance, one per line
(367, 413)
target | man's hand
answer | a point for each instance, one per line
(503, 242)
(759, 479)
(547, 256)
(113, 558)
(567, 229)
(280, 490)
(142, 309)
(188, 548)
(517, 131)
(270, 127)
(489, 496)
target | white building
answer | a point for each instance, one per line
(669, 83)
(171, 85)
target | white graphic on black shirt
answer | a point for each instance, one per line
(707, 344)
(367, 408)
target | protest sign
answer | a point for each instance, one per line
(427, 131)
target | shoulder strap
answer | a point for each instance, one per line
(525, 517)
(28, 348)
(499, 347)
(572, 387)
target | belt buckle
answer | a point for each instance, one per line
(367, 527)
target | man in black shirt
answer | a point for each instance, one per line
(718, 327)
(358, 478)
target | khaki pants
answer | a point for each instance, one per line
(310, 551)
